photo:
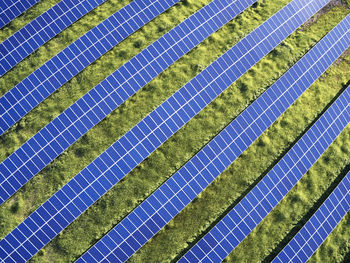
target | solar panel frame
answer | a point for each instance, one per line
(9, 9)
(89, 182)
(80, 117)
(305, 243)
(57, 71)
(200, 171)
(40, 30)
(271, 189)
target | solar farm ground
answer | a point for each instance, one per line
(264, 243)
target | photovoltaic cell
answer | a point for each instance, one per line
(319, 226)
(70, 61)
(260, 201)
(169, 199)
(73, 123)
(119, 159)
(42, 29)
(10, 9)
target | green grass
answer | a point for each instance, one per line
(232, 184)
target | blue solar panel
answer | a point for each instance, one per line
(119, 159)
(255, 206)
(73, 123)
(166, 202)
(70, 61)
(42, 29)
(319, 226)
(10, 9)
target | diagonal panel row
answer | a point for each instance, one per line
(70, 61)
(74, 122)
(177, 192)
(10, 9)
(260, 201)
(7, 4)
(319, 226)
(131, 149)
(42, 29)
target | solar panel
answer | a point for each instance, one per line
(169, 199)
(10, 9)
(255, 206)
(319, 226)
(42, 29)
(112, 165)
(70, 61)
(73, 123)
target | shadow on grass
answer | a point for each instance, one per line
(346, 258)
(318, 203)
